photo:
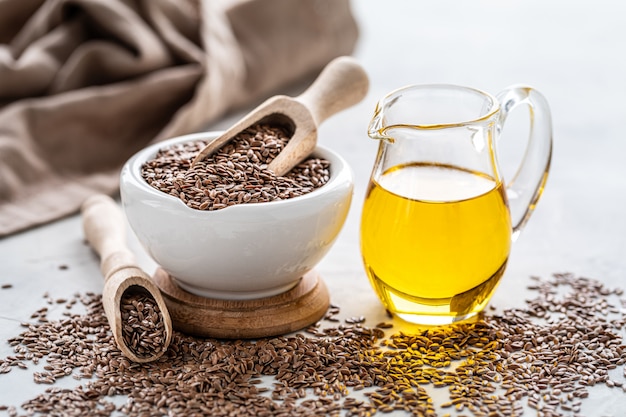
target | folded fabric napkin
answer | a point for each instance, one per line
(84, 84)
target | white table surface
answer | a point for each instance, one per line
(572, 51)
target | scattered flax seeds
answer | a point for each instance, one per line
(543, 358)
(236, 174)
(6, 286)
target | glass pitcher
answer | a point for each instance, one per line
(438, 219)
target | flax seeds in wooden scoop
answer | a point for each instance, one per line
(341, 84)
(133, 304)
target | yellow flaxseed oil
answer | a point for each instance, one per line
(435, 240)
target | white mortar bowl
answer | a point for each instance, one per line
(245, 251)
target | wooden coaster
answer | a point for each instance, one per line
(293, 310)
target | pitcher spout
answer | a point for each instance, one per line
(377, 129)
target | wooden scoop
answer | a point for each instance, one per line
(340, 85)
(104, 228)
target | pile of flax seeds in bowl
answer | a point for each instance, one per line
(236, 174)
(538, 360)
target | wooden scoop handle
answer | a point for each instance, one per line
(341, 84)
(104, 227)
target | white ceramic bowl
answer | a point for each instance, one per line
(244, 251)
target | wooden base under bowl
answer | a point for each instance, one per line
(293, 310)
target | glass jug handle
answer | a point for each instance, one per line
(526, 186)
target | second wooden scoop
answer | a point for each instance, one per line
(341, 84)
(104, 227)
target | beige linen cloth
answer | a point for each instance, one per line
(84, 84)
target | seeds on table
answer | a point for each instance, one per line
(544, 356)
